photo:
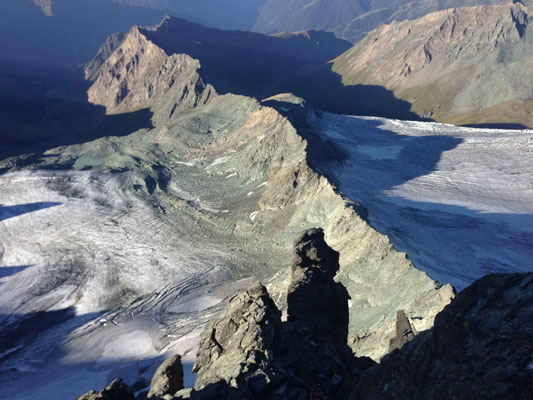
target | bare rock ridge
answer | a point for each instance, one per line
(139, 74)
(481, 347)
(251, 349)
(464, 65)
(92, 68)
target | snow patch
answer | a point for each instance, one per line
(134, 344)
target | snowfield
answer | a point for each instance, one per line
(458, 201)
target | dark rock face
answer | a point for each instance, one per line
(168, 379)
(117, 390)
(314, 299)
(481, 347)
(404, 332)
(248, 352)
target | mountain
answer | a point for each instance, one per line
(463, 66)
(349, 19)
(223, 14)
(232, 61)
(130, 238)
(160, 190)
(64, 32)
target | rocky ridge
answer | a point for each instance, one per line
(169, 221)
(139, 74)
(235, 62)
(293, 191)
(464, 65)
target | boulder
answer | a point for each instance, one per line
(168, 379)
(239, 341)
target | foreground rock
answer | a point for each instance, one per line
(117, 390)
(233, 346)
(481, 347)
(248, 352)
(168, 379)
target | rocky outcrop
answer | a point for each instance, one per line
(481, 347)
(463, 65)
(139, 74)
(117, 390)
(237, 343)
(168, 379)
(312, 287)
(92, 68)
(248, 352)
(404, 332)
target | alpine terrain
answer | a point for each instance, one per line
(199, 213)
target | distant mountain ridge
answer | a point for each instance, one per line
(64, 32)
(348, 19)
(468, 65)
(238, 62)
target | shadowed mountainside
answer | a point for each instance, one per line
(64, 32)
(348, 19)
